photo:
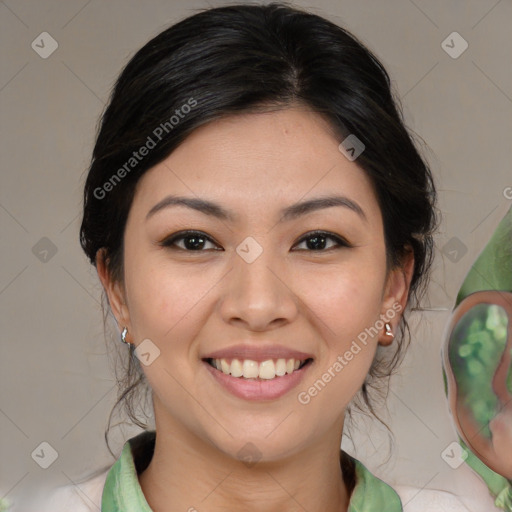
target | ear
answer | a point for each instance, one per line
(396, 294)
(115, 292)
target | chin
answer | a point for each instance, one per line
(258, 448)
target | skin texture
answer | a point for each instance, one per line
(189, 303)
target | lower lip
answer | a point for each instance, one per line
(249, 389)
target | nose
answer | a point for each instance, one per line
(257, 295)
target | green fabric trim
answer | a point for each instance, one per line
(493, 268)
(498, 486)
(504, 499)
(122, 491)
(371, 494)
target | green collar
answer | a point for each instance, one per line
(122, 491)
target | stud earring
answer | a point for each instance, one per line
(389, 331)
(123, 336)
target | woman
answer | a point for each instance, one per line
(260, 219)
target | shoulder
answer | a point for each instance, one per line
(416, 499)
(80, 497)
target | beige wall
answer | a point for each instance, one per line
(56, 385)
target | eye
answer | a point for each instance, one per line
(192, 241)
(318, 241)
(195, 241)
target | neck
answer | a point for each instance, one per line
(187, 474)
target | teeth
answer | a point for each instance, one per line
(236, 368)
(267, 370)
(249, 369)
(280, 367)
(224, 366)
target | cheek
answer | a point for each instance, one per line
(167, 307)
(347, 299)
(163, 299)
(346, 303)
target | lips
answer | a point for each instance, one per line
(258, 373)
(258, 353)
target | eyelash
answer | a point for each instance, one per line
(171, 241)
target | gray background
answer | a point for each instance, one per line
(56, 383)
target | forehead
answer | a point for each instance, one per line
(261, 160)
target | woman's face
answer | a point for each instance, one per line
(252, 287)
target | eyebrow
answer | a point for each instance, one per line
(286, 214)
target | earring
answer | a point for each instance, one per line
(389, 331)
(123, 336)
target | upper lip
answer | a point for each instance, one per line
(258, 353)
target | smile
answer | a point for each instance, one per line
(264, 370)
(268, 379)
